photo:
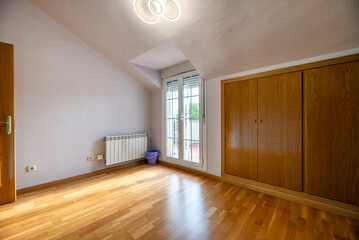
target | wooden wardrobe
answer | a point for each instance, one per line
(295, 129)
(264, 129)
(331, 110)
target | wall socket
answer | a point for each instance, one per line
(91, 158)
(31, 168)
(98, 157)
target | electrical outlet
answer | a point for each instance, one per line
(31, 168)
(99, 157)
(91, 158)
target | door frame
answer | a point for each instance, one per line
(203, 126)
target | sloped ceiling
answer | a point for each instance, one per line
(163, 56)
(219, 37)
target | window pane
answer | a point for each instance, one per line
(191, 85)
(195, 130)
(186, 107)
(171, 119)
(169, 128)
(186, 87)
(194, 110)
(195, 100)
(172, 89)
(187, 150)
(172, 147)
(169, 147)
(174, 108)
(169, 94)
(175, 91)
(175, 128)
(195, 151)
(169, 108)
(195, 91)
(175, 148)
(191, 119)
(187, 129)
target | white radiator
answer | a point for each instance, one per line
(125, 148)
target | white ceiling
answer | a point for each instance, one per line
(162, 56)
(219, 37)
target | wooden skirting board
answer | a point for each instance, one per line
(90, 174)
(298, 197)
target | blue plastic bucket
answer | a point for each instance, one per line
(152, 156)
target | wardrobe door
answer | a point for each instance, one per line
(241, 129)
(280, 130)
(331, 132)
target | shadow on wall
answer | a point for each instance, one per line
(98, 147)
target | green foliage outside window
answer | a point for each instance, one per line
(192, 110)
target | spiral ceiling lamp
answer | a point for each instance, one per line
(150, 11)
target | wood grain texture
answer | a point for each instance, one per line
(158, 202)
(223, 129)
(280, 130)
(85, 175)
(7, 142)
(241, 129)
(325, 204)
(331, 132)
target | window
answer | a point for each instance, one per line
(184, 119)
(172, 130)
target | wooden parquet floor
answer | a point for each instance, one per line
(159, 202)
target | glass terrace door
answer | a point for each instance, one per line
(184, 117)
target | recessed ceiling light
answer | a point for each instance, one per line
(150, 11)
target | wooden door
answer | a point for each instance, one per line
(331, 131)
(241, 129)
(7, 153)
(280, 130)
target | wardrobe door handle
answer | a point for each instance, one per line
(260, 120)
(255, 120)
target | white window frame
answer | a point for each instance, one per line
(203, 125)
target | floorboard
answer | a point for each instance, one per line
(160, 202)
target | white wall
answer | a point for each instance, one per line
(213, 118)
(67, 97)
(156, 120)
(213, 108)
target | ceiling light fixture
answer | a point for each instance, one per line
(150, 11)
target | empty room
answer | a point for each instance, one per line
(179, 119)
